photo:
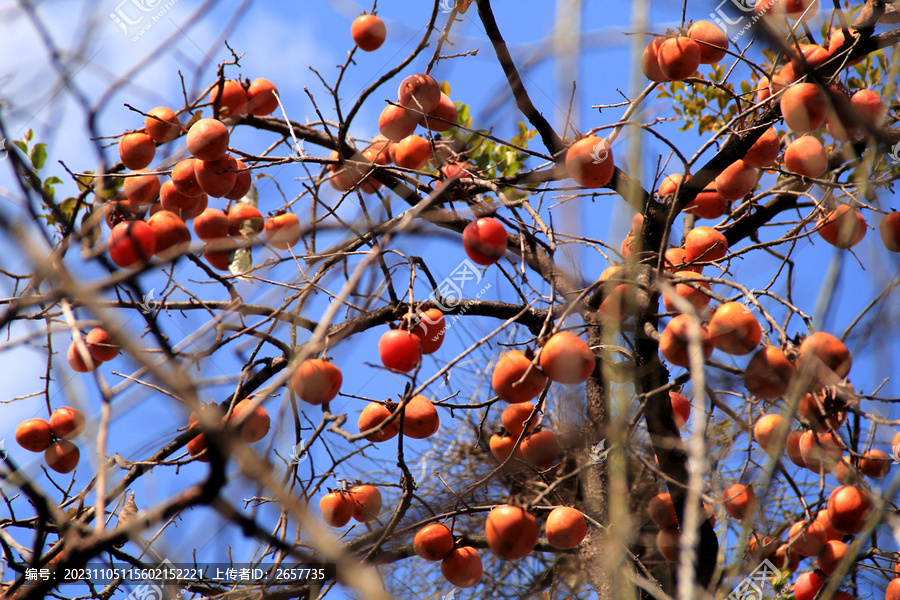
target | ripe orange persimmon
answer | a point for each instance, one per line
(244, 221)
(142, 187)
(734, 329)
(336, 508)
(804, 107)
(892, 591)
(889, 228)
(283, 231)
(419, 92)
(667, 544)
(233, 101)
(373, 415)
(566, 527)
(708, 204)
(806, 540)
(674, 341)
(366, 502)
(261, 97)
(806, 156)
(172, 235)
(541, 449)
(514, 416)
(395, 122)
(807, 585)
(207, 139)
(420, 418)
(712, 41)
(445, 111)
(565, 358)
(696, 297)
(101, 345)
(34, 435)
(676, 259)
(511, 367)
(678, 57)
(662, 511)
(824, 358)
(131, 244)
(216, 177)
(681, 406)
(433, 542)
(211, 224)
(400, 350)
(180, 204)
(875, 464)
(67, 422)
(845, 473)
(430, 330)
(848, 508)
(462, 567)
(650, 61)
(413, 152)
(243, 181)
(317, 381)
(369, 32)
(766, 431)
(484, 240)
(843, 227)
(737, 180)
(136, 150)
(830, 555)
(62, 456)
(786, 558)
(590, 163)
(764, 150)
(511, 532)
(739, 500)
(220, 253)
(162, 124)
(184, 178)
(252, 421)
(502, 446)
(705, 244)
(821, 451)
(768, 373)
(78, 362)
(792, 448)
(764, 548)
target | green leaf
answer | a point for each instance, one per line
(28, 135)
(21, 146)
(39, 156)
